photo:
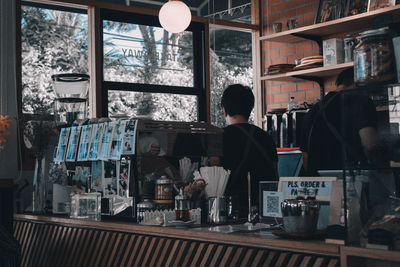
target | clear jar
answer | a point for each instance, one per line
(142, 207)
(353, 212)
(349, 43)
(182, 207)
(374, 58)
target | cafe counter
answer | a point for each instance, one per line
(54, 241)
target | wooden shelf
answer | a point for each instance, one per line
(348, 24)
(315, 72)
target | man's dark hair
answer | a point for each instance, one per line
(238, 99)
(345, 78)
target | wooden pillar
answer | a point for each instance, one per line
(95, 62)
(256, 55)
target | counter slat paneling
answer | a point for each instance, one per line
(149, 252)
(99, 236)
(182, 252)
(189, 254)
(40, 253)
(282, 260)
(71, 246)
(295, 260)
(227, 257)
(107, 250)
(46, 243)
(163, 252)
(125, 258)
(257, 258)
(199, 253)
(333, 263)
(237, 257)
(307, 261)
(272, 257)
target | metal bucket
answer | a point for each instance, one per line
(300, 216)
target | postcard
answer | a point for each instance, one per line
(130, 137)
(106, 140)
(95, 144)
(97, 169)
(62, 144)
(116, 143)
(110, 178)
(123, 178)
(81, 177)
(83, 151)
(73, 143)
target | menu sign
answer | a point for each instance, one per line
(289, 186)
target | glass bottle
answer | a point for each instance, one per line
(312, 194)
(291, 104)
(352, 212)
(182, 207)
(301, 193)
(342, 214)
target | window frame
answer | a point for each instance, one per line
(199, 66)
(80, 10)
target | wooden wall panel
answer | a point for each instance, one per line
(48, 244)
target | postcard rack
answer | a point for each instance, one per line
(115, 158)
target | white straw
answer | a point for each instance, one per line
(216, 179)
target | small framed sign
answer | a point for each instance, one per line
(270, 201)
(271, 206)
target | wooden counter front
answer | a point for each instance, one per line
(52, 241)
(6, 204)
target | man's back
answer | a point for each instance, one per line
(243, 154)
(346, 114)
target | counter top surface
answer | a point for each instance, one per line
(263, 239)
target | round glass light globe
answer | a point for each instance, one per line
(174, 16)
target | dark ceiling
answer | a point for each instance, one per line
(240, 9)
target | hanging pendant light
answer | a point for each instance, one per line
(174, 16)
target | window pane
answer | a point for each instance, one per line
(232, 10)
(52, 42)
(166, 107)
(143, 54)
(230, 63)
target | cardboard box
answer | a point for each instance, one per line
(333, 51)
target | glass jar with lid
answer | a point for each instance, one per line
(163, 189)
(374, 58)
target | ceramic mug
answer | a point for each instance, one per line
(291, 24)
(277, 27)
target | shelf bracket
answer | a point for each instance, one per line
(316, 79)
(314, 38)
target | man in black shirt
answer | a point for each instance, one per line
(340, 128)
(246, 147)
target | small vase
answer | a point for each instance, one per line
(39, 187)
